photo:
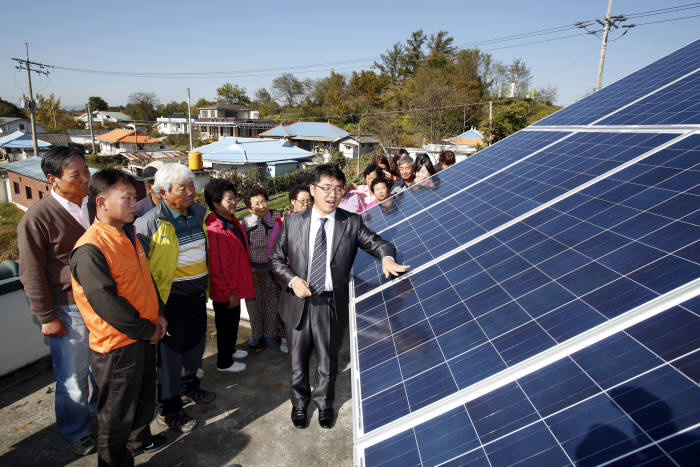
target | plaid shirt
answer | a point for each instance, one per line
(259, 231)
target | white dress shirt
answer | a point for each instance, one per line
(79, 213)
(329, 227)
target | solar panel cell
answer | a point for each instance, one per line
(553, 339)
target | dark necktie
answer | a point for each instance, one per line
(317, 277)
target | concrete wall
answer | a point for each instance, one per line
(21, 341)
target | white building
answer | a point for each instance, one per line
(349, 145)
(222, 120)
(104, 116)
(122, 140)
(9, 125)
(175, 124)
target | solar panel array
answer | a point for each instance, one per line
(551, 313)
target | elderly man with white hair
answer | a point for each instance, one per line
(173, 235)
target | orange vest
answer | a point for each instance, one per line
(129, 269)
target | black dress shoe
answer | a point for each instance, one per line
(153, 445)
(325, 418)
(299, 417)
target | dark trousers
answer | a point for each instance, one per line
(182, 347)
(320, 330)
(227, 320)
(126, 378)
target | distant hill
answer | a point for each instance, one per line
(8, 109)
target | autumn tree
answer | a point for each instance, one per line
(48, 110)
(329, 93)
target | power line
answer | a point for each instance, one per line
(666, 20)
(338, 64)
(661, 11)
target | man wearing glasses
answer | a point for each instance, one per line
(313, 255)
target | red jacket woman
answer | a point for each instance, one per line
(230, 270)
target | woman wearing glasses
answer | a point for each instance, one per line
(264, 321)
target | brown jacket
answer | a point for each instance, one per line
(46, 235)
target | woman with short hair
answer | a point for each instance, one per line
(264, 321)
(445, 159)
(230, 273)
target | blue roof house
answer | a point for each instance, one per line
(273, 156)
(18, 145)
(308, 135)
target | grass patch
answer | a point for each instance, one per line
(9, 218)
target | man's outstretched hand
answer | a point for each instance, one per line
(389, 266)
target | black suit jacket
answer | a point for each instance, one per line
(290, 256)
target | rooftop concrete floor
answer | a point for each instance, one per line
(247, 424)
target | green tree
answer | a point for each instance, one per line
(390, 65)
(142, 106)
(264, 103)
(440, 49)
(413, 54)
(288, 89)
(201, 103)
(507, 119)
(338, 159)
(329, 94)
(172, 107)
(8, 109)
(230, 93)
(97, 103)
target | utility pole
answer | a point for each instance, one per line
(27, 65)
(359, 147)
(606, 23)
(189, 117)
(490, 122)
(92, 133)
(603, 47)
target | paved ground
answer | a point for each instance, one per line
(247, 424)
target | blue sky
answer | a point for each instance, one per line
(179, 36)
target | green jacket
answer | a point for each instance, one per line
(156, 232)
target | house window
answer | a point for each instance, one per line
(16, 187)
(41, 195)
(205, 113)
(21, 126)
(28, 192)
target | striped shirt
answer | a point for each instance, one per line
(191, 274)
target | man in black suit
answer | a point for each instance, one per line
(313, 256)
